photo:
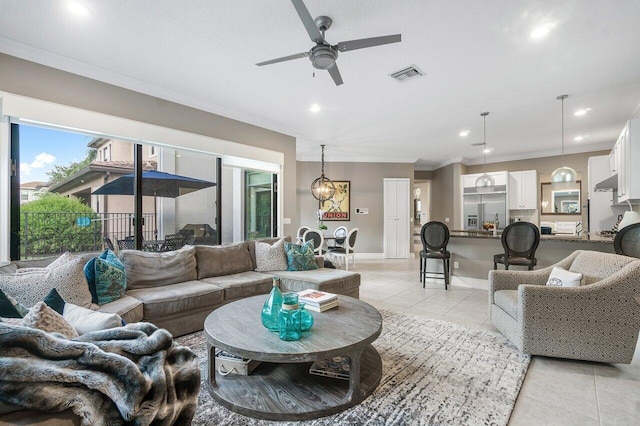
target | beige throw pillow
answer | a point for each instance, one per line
(44, 318)
(65, 274)
(271, 257)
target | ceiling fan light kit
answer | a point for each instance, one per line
(563, 174)
(323, 56)
(485, 183)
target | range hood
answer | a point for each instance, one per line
(609, 184)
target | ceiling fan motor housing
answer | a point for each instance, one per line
(323, 56)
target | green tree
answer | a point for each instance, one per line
(55, 223)
(59, 173)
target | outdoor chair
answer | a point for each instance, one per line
(598, 320)
(627, 241)
(173, 242)
(520, 241)
(129, 243)
(346, 251)
(435, 237)
(109, 244)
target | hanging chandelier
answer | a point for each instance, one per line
(485, 183)
(563, 174)
(322, 188)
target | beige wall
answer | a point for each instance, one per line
(366, 191)
(445, 194)
(37, 81)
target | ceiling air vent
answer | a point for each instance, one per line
(407, 73)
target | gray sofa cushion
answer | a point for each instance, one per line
(507, 300)
(325, 279)
(214, 261)
(129, 309)
(147, 269)
(243, 284)
(176, 298)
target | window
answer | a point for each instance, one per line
(106, 153)
(24, 196)
(152, 151)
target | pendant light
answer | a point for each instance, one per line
(485, 182)
(322, 188)
(564, 173)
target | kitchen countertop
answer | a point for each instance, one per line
(559, 237)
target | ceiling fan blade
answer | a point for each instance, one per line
(284, 58)
(362, 43)
(335, 74)
(307, 20)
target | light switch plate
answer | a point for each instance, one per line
(362, 210)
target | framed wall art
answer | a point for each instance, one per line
(338, 207)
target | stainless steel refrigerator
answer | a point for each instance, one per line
(484, 207)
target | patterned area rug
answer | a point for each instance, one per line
(434, 373)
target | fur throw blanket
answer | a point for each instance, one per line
(131, 375)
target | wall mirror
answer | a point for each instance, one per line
(561, 198)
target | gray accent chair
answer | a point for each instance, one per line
(598, 321)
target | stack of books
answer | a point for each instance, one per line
(318, 301)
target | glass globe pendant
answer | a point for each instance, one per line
(322, 188)
(485, 183)
(563, 174)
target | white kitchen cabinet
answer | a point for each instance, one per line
(628, 171)
(523, 190)
(397, 233)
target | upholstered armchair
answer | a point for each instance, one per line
(597, 321)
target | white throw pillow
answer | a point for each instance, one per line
(562, 278)
(65, 274)
(85, 320)
(271, 257)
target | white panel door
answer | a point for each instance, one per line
(397, 234)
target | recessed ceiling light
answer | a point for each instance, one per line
(581, 112)
(464, 133)
(78, 8)
(580, 138)
(486, 150)
(541, 31)
(314, 108)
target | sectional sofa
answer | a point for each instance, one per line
(177, 290)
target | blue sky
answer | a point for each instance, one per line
(41, 149)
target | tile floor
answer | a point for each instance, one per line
(555, 391)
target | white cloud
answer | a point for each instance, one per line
(42, 160)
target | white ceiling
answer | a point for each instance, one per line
(477, 56)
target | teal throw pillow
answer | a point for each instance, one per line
(111, 281)
(10, 307)
(300, 258)
(106, 278)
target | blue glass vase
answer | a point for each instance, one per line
(271, 308)
(290, 318)
(306, 319)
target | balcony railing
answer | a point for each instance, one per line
(44, 234)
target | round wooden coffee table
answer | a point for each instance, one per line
(282, 388)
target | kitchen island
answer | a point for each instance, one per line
(474, 250)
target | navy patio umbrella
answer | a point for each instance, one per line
(156, 184)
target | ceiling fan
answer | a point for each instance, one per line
(323, 55)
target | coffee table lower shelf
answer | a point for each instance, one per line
(289, 392)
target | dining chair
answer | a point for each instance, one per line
(109, 243)
(339, 237)
(317, 237)
(627, 241)
(434, 236)
(301, 232)
(520, 241)
(346, 250)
